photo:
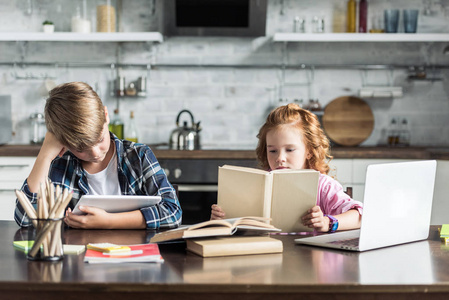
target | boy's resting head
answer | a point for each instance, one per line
(75, 115)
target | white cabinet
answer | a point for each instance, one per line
(13, 171)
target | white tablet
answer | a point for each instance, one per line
(116, 203)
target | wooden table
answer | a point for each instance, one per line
(413, 271)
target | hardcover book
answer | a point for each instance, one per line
(282, 195)
(226, 246)
(226, 227)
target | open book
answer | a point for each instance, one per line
(245, 225)
(282, 195)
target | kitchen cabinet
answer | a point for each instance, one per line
(352, 172)
(13, 171)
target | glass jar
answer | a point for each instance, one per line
(80, 22)
(38, 128)
(106, 16)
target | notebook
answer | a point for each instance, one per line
(396, 210)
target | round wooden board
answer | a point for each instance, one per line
(348, 120)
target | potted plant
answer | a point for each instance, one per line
(48, 26)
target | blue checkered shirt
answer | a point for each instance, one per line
(139, 173)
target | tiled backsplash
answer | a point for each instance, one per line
(231, 102)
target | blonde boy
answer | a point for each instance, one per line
(81, 154)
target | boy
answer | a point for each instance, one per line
(81, 154)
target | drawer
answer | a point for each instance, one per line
(8, 199)
(15, 168)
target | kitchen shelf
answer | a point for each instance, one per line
(82, 37)
(360, 37)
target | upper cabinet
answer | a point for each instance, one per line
(360, 37)
(82, 37)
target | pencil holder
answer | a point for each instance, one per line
(47, 237)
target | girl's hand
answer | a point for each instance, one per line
(217, 213)
(315, 219)
(95, 218)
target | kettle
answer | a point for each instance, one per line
(185, 137)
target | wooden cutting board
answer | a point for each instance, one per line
(348, 120)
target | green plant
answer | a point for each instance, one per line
(46, 22)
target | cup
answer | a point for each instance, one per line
(391, 19)
(410, 20)
(47, 237)
(299, 24)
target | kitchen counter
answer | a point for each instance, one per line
(380, 152)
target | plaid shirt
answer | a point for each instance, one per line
(139, 173)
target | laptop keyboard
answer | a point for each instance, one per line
(347, 243)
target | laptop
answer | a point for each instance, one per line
(397, 207)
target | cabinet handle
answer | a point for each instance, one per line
(7, 190)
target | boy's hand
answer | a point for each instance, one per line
(52, 147)
(315, 219)
(95, 218)
(217, 213)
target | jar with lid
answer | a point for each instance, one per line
(106, 16)
(38, 128)
(80, 22)
(404, 133)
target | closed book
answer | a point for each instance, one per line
(282, 195)
(226, 246)
(138, 253)
(244, 225)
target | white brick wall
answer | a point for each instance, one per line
(231, 103)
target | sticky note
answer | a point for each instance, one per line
(24, 246)
(444, 232)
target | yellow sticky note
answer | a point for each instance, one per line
(108, 248)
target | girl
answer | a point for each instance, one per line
(292, 138)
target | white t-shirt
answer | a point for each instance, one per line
(105, 182)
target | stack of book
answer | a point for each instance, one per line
(238, 236)
(109, 253)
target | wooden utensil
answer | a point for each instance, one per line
(348, 121)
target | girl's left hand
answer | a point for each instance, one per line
(316, 219)
(94, 218)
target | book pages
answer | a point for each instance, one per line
(294, 192)
(241, 193)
